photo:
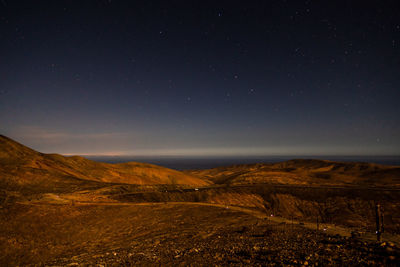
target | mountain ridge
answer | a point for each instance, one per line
(22, 166)
(305, 172)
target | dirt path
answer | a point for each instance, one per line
(323, 227)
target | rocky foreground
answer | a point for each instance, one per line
(261, 244)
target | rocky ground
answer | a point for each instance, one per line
(258, 245)
(171, 234)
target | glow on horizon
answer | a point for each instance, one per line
(229, 152)
(125, 144)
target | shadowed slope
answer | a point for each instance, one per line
(21, 166)
(305, 172)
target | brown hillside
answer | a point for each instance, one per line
(21, 166)
(305, 172)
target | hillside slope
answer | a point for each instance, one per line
(305, 172)
(21, 166)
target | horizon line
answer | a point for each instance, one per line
(226, 155)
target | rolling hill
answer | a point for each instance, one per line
(22, 167)
(305, 172)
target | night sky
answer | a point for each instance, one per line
(201, 78)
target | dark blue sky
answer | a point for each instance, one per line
(201, 78)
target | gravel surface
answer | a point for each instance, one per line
(261, 244)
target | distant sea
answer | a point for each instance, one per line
(186, 163)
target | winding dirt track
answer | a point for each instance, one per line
(325, 228)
